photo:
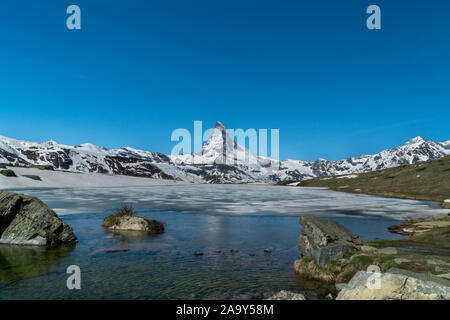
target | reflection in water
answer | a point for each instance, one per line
(130, 236)
(128, 265)
(17, 262)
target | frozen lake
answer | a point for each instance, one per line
(234, 200)
(206, 218)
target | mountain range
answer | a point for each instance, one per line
(221, 160)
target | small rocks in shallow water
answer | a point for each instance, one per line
(234, 251)
(267, 250)
(198, 253)
(251, 254)
(117, 250)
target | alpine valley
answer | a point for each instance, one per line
(222, 160)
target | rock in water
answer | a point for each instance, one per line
(287, 295)
(394, 286)
(117, 221)
(326, 240)
(26, 220)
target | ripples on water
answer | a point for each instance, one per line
(198, 218)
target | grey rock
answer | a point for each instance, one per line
(124, 222)
(421, 276)
(287, 295)
(444, 276)
(328, 254)
(340, 286)
(393, 286)
(318, 234)
(401, 260)
(388, 251)
(26, 220)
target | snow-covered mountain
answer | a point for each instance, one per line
(221, 160)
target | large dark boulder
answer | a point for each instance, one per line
(326, 240)
(26, 220)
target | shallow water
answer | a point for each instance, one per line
(198, 218)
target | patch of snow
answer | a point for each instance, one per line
(61, 179)
(350, 176)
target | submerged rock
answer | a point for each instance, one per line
(326, 240)
(26, 220)
(287, 295)
(122, 222)
(395, 285)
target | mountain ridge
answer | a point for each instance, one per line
(221, 160)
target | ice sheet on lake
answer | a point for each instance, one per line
(234, 200)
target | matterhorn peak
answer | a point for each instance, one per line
(219, 125)
(416, 140)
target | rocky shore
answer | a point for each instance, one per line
(403, 269)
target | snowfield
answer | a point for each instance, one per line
(235, 200)
(61, 179)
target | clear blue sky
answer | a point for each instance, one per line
(140, 69)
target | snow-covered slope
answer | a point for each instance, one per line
(221, 160)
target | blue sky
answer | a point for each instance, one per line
(140, 69)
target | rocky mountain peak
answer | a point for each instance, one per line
(416, 140)
(221, 159)
(219, 125)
